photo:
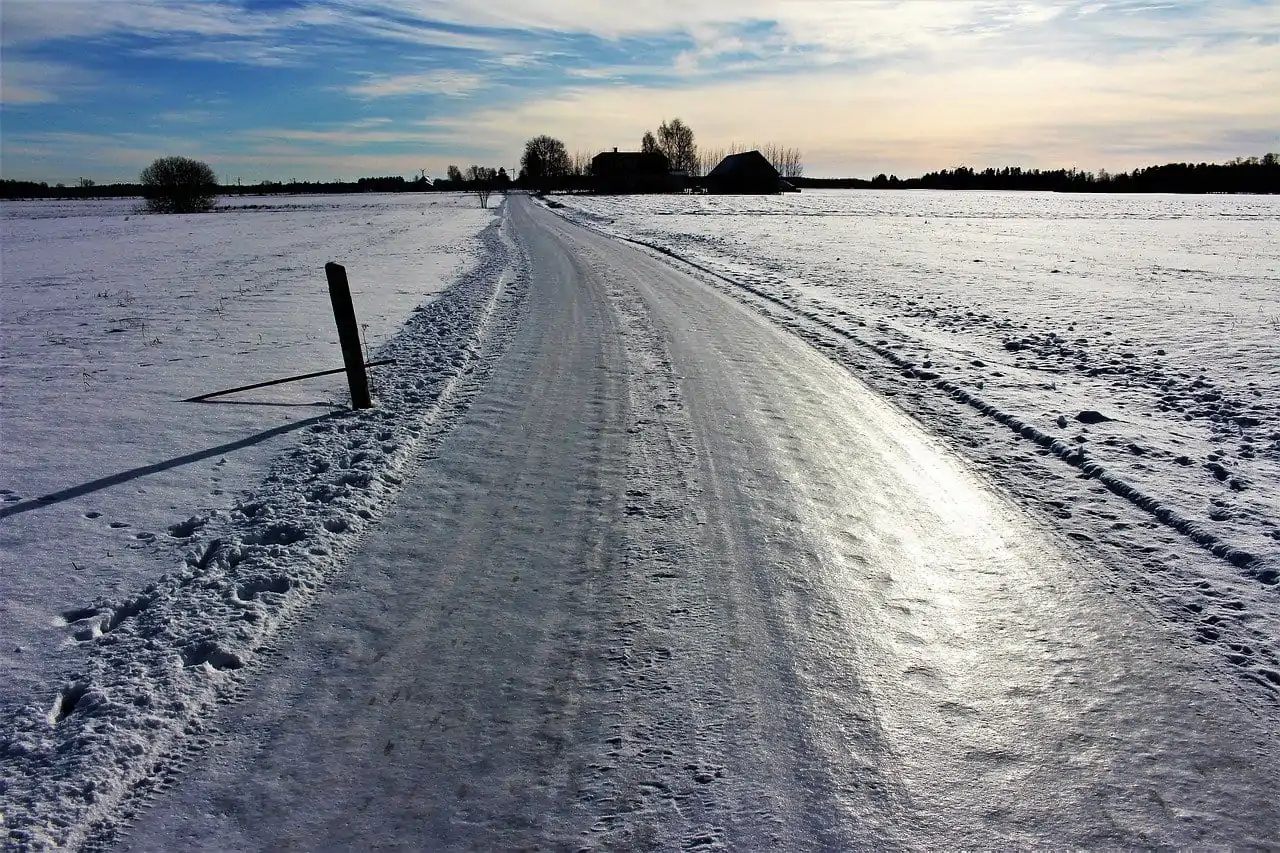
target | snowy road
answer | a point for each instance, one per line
(677, 581)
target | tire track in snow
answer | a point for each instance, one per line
(659, 782)
(1250, 650)
(156, 663)
(696, 754)
(1251, 564)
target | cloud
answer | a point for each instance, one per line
(1052, 109)
(346, 137)
(107, 157)
(239, 51)
(865, 85)
(364, 20)
(607, 20)
(29, 22)
(215, 30)
(825, 32)
(363, 134)
(274, 155)
(455, 84)
(27, 82)
(522, 60)
(868, 27)
(196, 116)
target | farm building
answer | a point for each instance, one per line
(615, 172)
(748, 173)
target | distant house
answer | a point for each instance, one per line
(748, 173)
(615, 172)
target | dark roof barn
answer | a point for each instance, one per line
(630, 172)
(745, 173)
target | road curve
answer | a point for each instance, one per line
(677, 581)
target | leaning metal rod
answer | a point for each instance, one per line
(200, 397)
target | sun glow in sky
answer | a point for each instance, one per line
(281, 89)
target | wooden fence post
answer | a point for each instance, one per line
(348, 335)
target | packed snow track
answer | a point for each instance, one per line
(678, 581)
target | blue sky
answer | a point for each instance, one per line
(287, 89)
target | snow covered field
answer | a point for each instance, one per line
(1110, 363)
(1132, 341)
(116, 495)
(678, 581)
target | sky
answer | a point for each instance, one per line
(295, 89)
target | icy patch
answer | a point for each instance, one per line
(1070, 453)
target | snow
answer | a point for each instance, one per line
(1037, 311)
(621, 563)
(677, 580)
(150, 545)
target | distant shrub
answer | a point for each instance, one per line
(179, 185)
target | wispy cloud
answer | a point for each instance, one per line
(340, 137)
(217, 30)
(455, 84)
(29, 82)
(28, 22)
(227, 50)
(865, 85)
(186, 116)
(522, 60)
(108, 156)
(1053, 110)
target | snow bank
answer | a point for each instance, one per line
(112, 318)
(142, 658)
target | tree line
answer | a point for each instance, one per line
(546, 164)
(15, 189)
(1260, 175)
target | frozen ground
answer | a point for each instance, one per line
(119, 500)
(678, 581)
(1033, 312)
(663, 572)
(111, 318)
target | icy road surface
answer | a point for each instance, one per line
(677, 581)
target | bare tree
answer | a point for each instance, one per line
(580, 165)
(709, 158)
(792, 163)
(481, 179)
(785, 160)
(544, 163)
(179, 185)
(675, 139)
(455, 175)
(649, 143)
(788, 161)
